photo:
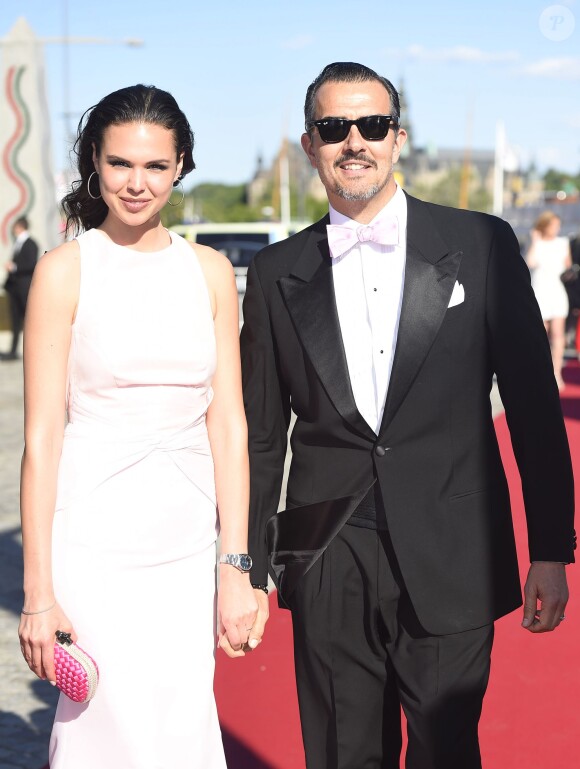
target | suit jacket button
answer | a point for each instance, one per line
(380, 451)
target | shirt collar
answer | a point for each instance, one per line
(397, 206)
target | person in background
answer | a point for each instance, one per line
(17, 285)
(547, 257)
(575, 248)
(136, 331)
(573, 291)
(381, 327)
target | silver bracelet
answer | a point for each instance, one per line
(29, 613)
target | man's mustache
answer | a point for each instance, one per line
(352, 157)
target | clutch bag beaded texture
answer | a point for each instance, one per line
(77, 674)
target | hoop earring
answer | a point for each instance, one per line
(182, 197)
(94, 197)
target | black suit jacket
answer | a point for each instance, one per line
(18, 282)
(436, 458)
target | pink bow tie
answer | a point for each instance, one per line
(341, 237)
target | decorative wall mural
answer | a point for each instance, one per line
(12, 150)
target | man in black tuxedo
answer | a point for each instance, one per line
(381, 327)
(17, 285)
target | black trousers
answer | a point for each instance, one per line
(361, 654)
(18, 297)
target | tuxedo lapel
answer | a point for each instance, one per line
(297, 537)
(309, 296)
(430, 273)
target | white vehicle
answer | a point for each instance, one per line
(238, 241)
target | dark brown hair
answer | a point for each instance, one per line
(347, 72)
(135, 104)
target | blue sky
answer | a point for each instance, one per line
(240, 70)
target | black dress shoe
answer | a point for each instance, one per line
(8, 356)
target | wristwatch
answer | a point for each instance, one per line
(241, 561)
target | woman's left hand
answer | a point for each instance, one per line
(237, 611)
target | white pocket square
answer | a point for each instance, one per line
(458, 295)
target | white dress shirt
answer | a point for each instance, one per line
(368, 286)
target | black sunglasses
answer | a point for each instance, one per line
(373, 128)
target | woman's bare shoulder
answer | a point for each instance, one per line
(211, 258)
(65, 256)
(60, 264)
(215, 265)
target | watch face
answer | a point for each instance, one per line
(245, 562)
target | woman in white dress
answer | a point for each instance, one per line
(131, 338)
(548, 257)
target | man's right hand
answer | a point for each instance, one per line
(257, 631)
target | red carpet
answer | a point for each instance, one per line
(256, 697)
(531, 717)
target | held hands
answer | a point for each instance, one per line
(547, 584)
(238, 630)
(263, 614)
(37, 634)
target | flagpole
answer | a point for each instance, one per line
(498, 169)
(284, 184)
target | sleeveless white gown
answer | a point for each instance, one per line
(550, 257)
(135, 524)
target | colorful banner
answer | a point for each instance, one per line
(27, 183)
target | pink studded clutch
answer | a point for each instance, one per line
(77, 674)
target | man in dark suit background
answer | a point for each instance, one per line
(573, 291)
(381, 328)
(17, 285)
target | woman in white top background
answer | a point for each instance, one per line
(548, 257)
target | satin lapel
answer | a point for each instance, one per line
(299, 536)
(309, 297)
(430, 274)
